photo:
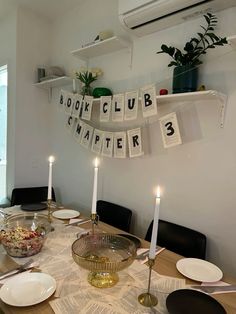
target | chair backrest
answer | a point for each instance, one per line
(30, 195)
(179, 239)
(114, 215)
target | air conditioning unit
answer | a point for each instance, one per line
(143, 17)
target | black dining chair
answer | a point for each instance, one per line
(179, 239)
(114, 215)
(30, 195)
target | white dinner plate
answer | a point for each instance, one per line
(28, 289)
(199, 270)
(66, 213)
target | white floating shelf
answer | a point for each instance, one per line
(59, 81)
(56, 82)
(101, 48)
(220, 98)
(232, 40)
(194, 96)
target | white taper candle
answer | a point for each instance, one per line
(51, 160)
(152, 251)
(95, 184)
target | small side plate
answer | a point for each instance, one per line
(66, 214)
(28, 289)
(199, 270)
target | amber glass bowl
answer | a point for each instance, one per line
(23, 235)
(103, 255)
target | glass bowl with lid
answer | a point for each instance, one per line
(23, 235)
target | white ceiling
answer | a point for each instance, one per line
(49, 9)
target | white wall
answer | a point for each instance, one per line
(26, 44)
(8, 56)
(198, 177)
(32, 108)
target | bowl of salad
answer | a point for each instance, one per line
(23, 235)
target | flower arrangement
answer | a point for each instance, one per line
(87, 76)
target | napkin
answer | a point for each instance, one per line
(28, 270)
(140, 251)
(220, 284)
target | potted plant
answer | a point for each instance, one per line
(87, 76)
(186, 62)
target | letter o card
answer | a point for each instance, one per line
(170, 130)
(148, 101)
(105, 108)
(78, 99)
(69, 103)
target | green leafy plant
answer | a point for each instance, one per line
(87, 76)
(197, 46)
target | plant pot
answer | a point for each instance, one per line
(87, 90)
(185, 79)
(101, 91)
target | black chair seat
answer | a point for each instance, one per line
(179, 239)
(114, 215)
(30, 195)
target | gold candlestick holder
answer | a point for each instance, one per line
(94, 219)
(147, 299)
(49, 204)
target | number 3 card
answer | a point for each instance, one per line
(170, 130)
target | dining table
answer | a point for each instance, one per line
(165, 265)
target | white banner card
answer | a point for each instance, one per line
(87, 135)
(170, 130)
(78, 130)
(105, 108)
(70, 122)
(135, 142)
(87, 107)
(120, 144)
(118, 108)
(107, 145)
(62, 98)
(148, 101)
(78, 99)
(131, 105)
(69, 103)
(97, 141)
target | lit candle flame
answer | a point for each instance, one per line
(51, 159)
(96, 162)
